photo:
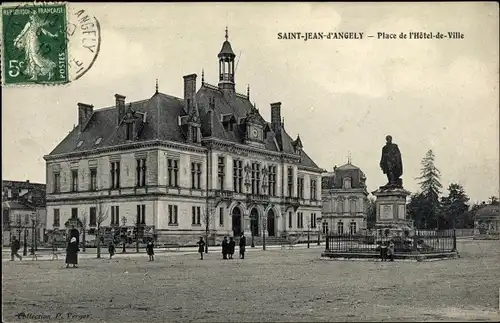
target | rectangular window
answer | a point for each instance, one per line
(290, 182)
(352, 207)
(74, 180)
(313, 220)
(300, 187)
(57, 183)
(194, 134)
(115, 215)
(221, 217)
(74, 213)
(352, 228)
(140, 172)
(93, 179)
(314, 191)
(300, 220)
(238, 175)
(92, 216)
(272, 180)
(115, 175)
(172, 214)
(196, 175)
(220, 172)
(173, 172)
(255, 178)
(57, 219)
(141, 214)
(290, 219)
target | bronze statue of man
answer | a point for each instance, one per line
(391, 163)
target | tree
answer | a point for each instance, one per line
(207, 219)
(453, 206)
(371, 217)
(418, 211)
(100, 218)
(493, 200)
(430, 187)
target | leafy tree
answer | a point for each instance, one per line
(453, 206)
(100, 218)
(431, 189)
(493, 200)
(420, 211)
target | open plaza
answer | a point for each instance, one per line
(267, 286)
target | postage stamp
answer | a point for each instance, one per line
(35, 46)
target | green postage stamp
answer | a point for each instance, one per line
(35, 44)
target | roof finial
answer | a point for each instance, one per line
(156, 85)
(202, 76)
(248, 91)
(227, 36)
(349, 157)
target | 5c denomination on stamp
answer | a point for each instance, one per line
(35, 47)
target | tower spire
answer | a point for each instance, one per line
(202, 76)
(248, 91)
(156, 86)
(349, 157)
(227, 35)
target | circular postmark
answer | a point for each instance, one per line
(47, 43)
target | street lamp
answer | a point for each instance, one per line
(308, 231)
(264, 225)
(319, 230)
(33, 219)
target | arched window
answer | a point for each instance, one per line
(325, 227)
(347, 182)
(340, 227)
(352, 227)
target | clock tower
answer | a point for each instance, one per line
(255, 127)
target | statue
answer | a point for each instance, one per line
(391, 163)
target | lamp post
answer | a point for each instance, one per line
(264, 225)
(308, 231)
(319, 230)
(33, 218)
(252, 226)
(123, 233)
(25, 246)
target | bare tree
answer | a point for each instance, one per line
(136, 225)
(124, 237)
(207, 219)
(100, 218)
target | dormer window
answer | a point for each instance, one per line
(98, 141)
(129, 131)
(194, 134)
(80, 143)
(347, 182)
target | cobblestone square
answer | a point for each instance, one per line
(274, 285)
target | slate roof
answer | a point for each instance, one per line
(335, 179)
(22, 185)
(15, 205)
(489, 211)
(161, 114)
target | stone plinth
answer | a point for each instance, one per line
(391, 210)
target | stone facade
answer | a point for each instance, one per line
(180, 166)
(345, 200)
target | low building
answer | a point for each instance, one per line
(345, 200)
(487, 222)
(23, 209)
(176, 167)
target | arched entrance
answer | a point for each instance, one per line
(254, 222)
(271, 221)
(236, 219)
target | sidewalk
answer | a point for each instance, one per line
(92, 252)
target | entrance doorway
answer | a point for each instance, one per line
(236, 219)
(254, 222)
(271, 220)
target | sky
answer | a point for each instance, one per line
(342, 96)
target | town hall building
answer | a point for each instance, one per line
(173, 165)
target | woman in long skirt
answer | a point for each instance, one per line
(72, 253)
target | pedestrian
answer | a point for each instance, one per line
(15, 245)
(390, 250)
(224, 248)
(243, 244)
(111, 249)
(231, 246)
(383, 251)
(72, 253)
(201, 247)
(150, 250)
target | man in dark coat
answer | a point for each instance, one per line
(243, 244)
(225, 247)
(14, 249)
(72, 253)
(150, 248)
(231, 246)
(201, 247)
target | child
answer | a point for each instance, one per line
(111, 249)
(150, 250)
(201, 247)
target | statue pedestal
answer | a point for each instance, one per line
(391, 210)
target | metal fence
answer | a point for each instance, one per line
(416, 241)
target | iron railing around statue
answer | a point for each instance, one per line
(418, 241)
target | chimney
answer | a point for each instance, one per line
(276, 116)
(28, 181)
(84, 113)
(189, 92)
(120, 105)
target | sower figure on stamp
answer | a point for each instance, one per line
(391, 163)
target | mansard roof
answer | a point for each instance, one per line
(163, 116)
